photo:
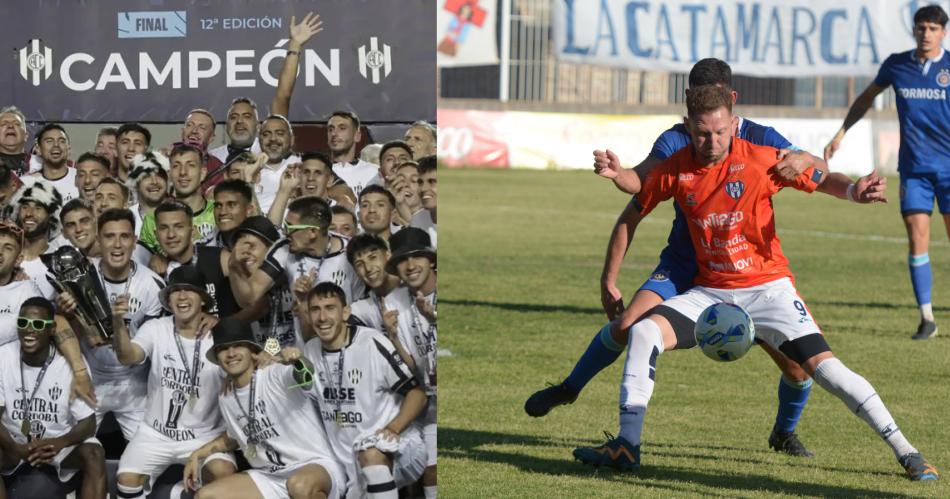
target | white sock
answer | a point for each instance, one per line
(431, 492)
(927, 312)
(126, 492)
(860, 397)
(636, 387)
(379, 482)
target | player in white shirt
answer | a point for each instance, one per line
(343, 133)
(90, 170)
(53, 146)
(426, 218)
(120, 389)
(312, 177)
(182, 409)
(414, 261)
(40, 425)
(277, 141)
(37, 212)
(272, 420)
(12, 292)
(148, 179)
(377, 211)
(368, 398)
(79, 226)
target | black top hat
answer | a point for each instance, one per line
(410, 241)
(258, 225)
(190, 278)
(231, 331)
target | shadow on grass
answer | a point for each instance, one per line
(475, 445)
(887, 306)
(524, 307)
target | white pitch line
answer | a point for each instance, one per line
(855, 237)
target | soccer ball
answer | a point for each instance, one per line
(725, 332)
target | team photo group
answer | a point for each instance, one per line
(220, 316)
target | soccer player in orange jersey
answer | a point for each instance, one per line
(724, 186)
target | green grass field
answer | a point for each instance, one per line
(521, 255)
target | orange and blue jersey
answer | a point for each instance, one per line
(728, 212)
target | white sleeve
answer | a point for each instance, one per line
(79, 410)
(146, 336)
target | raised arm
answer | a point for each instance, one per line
(127, 352)
(855, 113)
(620, 239)
(299, 35)
(607, 165)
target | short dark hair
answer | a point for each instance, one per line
(48, 128)
(134, 127)
(173, 205)
(115, 215)
(91, 156)
(327, 289)
(122, 187)
(706, 98)
(237, 186)
(931, 14)
(378, 189)
(427, 164)
(394, 143)
(319, 156)
(412, 164)
(180, 149)
(710, 71)
(364, 242)
(6, 174)
(313, 211)
(40, 303)
(350, 115)
(342, 210)
(73, 205)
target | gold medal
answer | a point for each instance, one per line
(251, 451)
(25, 428)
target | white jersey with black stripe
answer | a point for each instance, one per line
(143, 287)
(363, 396)
(358, 175)
(169, 409)
(286, 422)
(332, 267)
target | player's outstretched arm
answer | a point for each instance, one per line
(127, 352)
(607, 165)
(300, 33)
(791, 164)
(857, 111)
(620, 239)
(68, 346)
(870, 188)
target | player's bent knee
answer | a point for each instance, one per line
(373, 456)
(93, 456)
(217, 469)
(315, 482)
(131, 479)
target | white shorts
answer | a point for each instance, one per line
(126, 401)
(64, 474)
(151, 453)
(274, 485)
(777, 311)
(409, 462)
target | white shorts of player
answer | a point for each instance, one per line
(64, 474)
(151, 453)
(273, 485)
(125, 400)
(778, 312)
(408, 465)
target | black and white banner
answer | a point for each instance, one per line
(153, 60)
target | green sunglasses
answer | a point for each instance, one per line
(34, 324)
(288, 229)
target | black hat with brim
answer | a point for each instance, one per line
(231, 332)
(190, 278)
(258, 225)
(410, 241)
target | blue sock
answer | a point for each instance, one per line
(920, 277)
(792, 396)
(602, 352)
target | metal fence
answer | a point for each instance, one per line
(536, 76)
